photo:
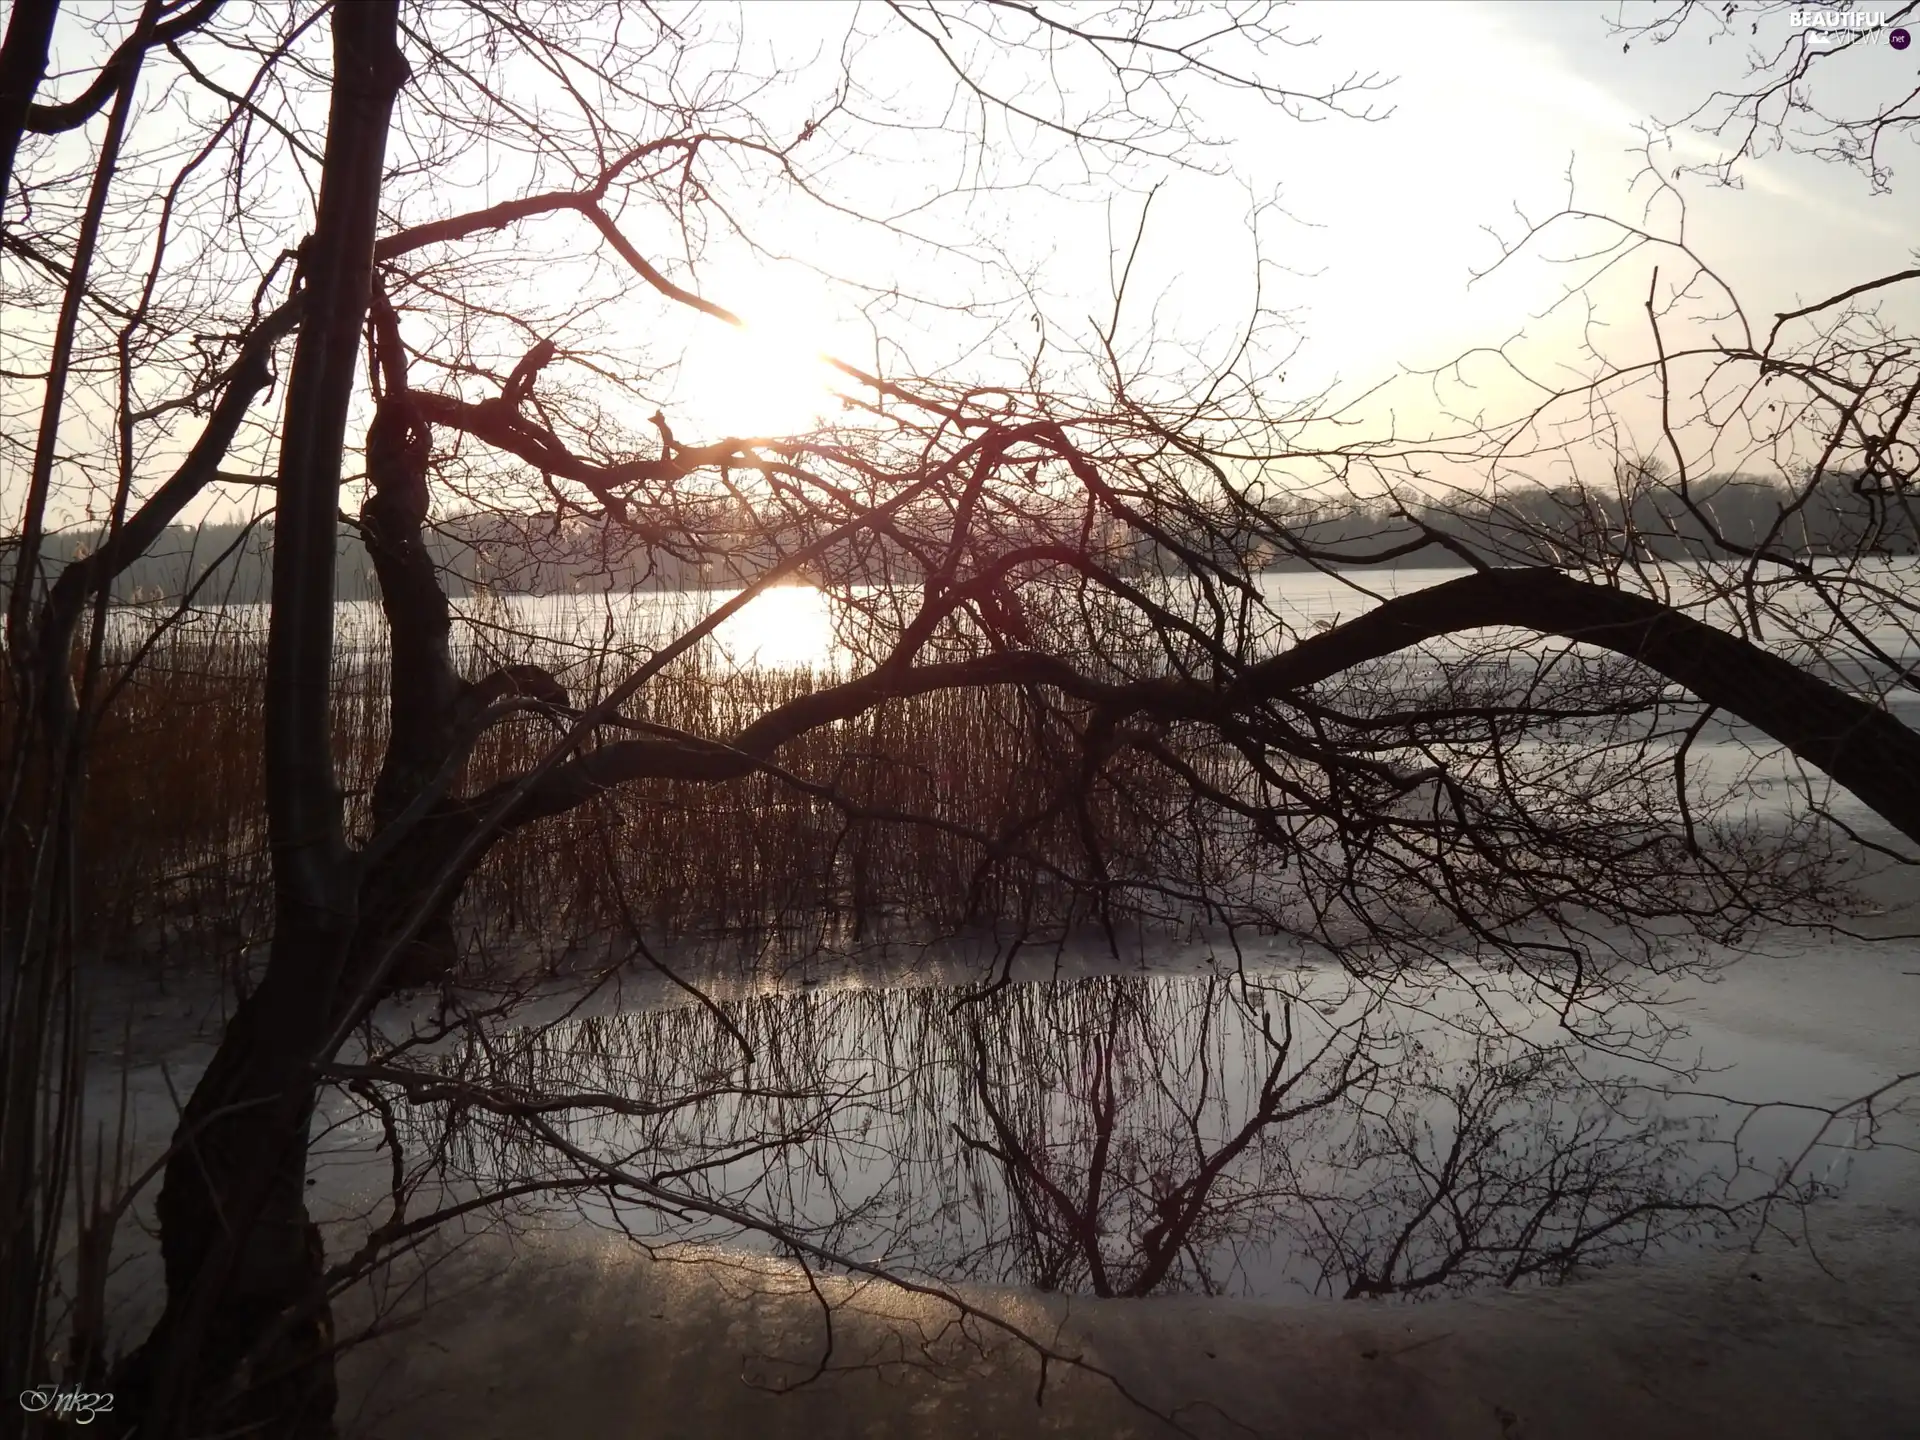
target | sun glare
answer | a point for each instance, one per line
(766, 377)
(786, 628)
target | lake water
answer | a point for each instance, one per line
(1184, 1119)
(788, 627)
(799, 627)
(1180, 1118)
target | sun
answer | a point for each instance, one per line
(767, 376)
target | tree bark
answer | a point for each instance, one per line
(23, 65)
(419, 621)
(424, 690)
(238, 1244)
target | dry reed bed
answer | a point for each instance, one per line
(173, 832)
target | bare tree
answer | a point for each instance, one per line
(1789, 100)
(1493, 771)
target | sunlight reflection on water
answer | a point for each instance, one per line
(787, 628)
(796, 627)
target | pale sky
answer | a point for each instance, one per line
(1493, 107)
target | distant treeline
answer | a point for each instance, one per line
(1541, 525)
(231, 563)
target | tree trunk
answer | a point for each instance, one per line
(419, 621)
(23, 65)
(424, 690)
(238, 1243)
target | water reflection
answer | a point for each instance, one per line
(785, 628)
(1113, 1135)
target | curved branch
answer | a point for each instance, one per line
(648, 272)
(23, 65)
(70, 114)
(1856, 743)
(509, 212)
(86, 577)
(1859, 745)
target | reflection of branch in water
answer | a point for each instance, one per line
(1504, 1169)
(1145, 1198)
(1122, 1135)
(1791, 1177)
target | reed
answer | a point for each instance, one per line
(173, 834)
